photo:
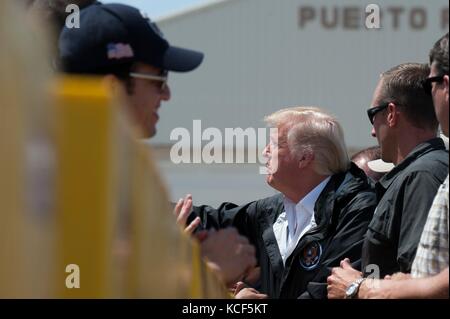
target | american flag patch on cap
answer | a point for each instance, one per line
(119, 51)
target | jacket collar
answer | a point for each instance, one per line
(340, 187)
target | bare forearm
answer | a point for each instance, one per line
(415, 288)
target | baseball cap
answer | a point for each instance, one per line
(380, 166)
(113, 35)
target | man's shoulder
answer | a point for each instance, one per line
(356, 184)
(267, 208)
(354, 192)
(432, 165)
(423, 176)
(429, 161)
(270, 202)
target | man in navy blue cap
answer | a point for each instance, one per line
(119, 41)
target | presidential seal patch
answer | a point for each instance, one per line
(310, 256)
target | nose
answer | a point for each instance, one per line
(165, 93)
(373, 132)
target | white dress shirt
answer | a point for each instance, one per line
(296, 220)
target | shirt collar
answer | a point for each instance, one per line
(305, 207)
(309, 201)
(418, 151)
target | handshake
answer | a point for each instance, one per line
(226, 252)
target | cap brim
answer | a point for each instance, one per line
(181, 60)
(380, 166)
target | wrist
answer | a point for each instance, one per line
(353, 289)
(364, 289)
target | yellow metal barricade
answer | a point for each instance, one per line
(25, 175)
(114, 222)
(85, 184)
(84, 213)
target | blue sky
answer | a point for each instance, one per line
(158, 8)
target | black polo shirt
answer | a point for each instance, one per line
(406, 194)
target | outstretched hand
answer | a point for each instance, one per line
(182, 210)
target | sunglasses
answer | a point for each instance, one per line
(374, 110)
(426, 84)
(163, 78)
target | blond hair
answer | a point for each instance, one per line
(313, 131)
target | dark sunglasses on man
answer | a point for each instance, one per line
(374, 110)
(426, 84)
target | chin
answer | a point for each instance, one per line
(150, 132)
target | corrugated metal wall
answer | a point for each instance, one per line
(259, 59)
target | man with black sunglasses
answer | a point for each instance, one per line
(427, 83)
(430, 272)
(405, 125)
(432, 254)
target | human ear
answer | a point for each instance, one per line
(305, 159)
(392, 116)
